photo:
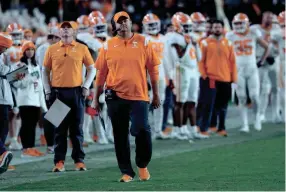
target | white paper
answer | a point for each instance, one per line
(57, 112)
(13, 75)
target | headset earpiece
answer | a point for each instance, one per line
(113, 25)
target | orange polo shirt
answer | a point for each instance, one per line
(65, 62)
(218, 60)
(123, 65)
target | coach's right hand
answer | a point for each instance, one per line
(47, 96)
(156, 101)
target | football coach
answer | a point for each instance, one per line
(122, 66)
(65, 60)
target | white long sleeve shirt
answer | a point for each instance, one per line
(29, 91)
(40, 53)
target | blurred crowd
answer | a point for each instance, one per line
(35, 14)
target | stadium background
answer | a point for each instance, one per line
(72, 9)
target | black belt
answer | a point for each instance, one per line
(3, 77)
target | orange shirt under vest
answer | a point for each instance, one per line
(65, 62)
(218, 60)
(123, 65)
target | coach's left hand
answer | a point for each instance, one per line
(156, 101)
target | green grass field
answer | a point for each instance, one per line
(252, 165)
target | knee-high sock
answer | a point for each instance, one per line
(264, 99)
(158, 119)
(243, 110)
(275, 105)
(86, 127)
(100, 132)
(16, 123)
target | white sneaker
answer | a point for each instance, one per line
(198, 135)
(14, 145)
(186, 131)
(193, 130)
(174, 133)
(277, 119)
(181, 134)
(257, 125)
(190, 130)
(110, 138)
(88, 140)
(262, 118)
(244, 129)
(181, 137)
(162, 135)
(5, 160)
(103, 141)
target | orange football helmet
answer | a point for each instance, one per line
(95, 14)
(16, 31)
(151, 24)
(198, 22)
(181, 23)
(83, 23)
(240, 23)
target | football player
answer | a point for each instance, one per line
(186, 77)
(269, 71)
(152, 27)
(244, 42)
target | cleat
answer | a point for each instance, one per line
(5, 160)
(244, 129)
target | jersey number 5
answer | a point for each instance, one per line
(243, 47)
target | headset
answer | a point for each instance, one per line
(113, 25)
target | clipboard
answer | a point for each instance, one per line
(12, 76)
(57, 113)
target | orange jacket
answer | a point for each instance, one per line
(123, 65)
(218, 60)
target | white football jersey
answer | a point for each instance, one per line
(268, 36)
(158, 44)
(90, 41)
(279, 37)
(244, 47)
(188, 61)
(40, 53)
(186, 72)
